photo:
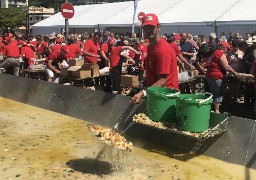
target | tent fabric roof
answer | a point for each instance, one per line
(196, 11)
(244, 10)
(173, 12)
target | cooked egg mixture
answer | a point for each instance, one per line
(41, 144)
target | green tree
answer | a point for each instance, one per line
(12, 17)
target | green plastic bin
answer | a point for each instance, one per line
(193, 112)
(161, 103)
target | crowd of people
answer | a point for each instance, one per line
(162, 57)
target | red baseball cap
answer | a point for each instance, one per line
(65, 48)
(150, 19)
(176, 37)
(111, 41)
(45, 44)
(58, 40)
(10, 35)
(226, 44)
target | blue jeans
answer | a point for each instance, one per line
(215, 88)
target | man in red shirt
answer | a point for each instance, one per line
(116, 65)
(105, 51)
(74, 49)
(27, 54)
(174, 44)
(53, 63)
(12, 57)
(161, 63)
(92, 49)
(57, 46)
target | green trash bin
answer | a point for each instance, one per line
(193, 112)
(161, 103)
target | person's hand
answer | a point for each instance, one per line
(58, 72)
(236, 74)
(192, 67)
(137, 97)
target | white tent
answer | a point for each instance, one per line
(194, 16)
(241, 16)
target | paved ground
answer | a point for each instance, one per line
(40, 144)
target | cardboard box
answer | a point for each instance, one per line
(94, 68)
(85, 71)
(129, 80)
(73, 62)
(64, 72)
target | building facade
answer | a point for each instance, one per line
(12, 3)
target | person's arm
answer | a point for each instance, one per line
(160, 83)
(252, 71)
(86, 53)
(225, 66)
(182, 59)
(51, 67)
(130, 48)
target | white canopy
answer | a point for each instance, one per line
(195, 16)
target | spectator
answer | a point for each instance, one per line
(249, 56)
(235, 61)
(186, 49)
(222, 37)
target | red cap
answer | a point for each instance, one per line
(111, 41)
(58, 40)
(176, 37)
(150, 19)
(10, 35)
(226, 44)
(65, 48)
(147, 40)
(45, 44)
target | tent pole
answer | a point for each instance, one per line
(215, 27)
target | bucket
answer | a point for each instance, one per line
(193, 112)
(161, 103)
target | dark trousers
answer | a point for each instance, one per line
(116, 73)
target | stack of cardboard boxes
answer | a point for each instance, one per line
(130, 81)
(79, 69)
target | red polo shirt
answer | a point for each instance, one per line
(115, 56)
(56, 47)
(161, 59)
(12, 50)
(92, 48)
(28, 53)
(104, 48)
(74, 49)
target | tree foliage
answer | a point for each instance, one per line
(12, 17)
